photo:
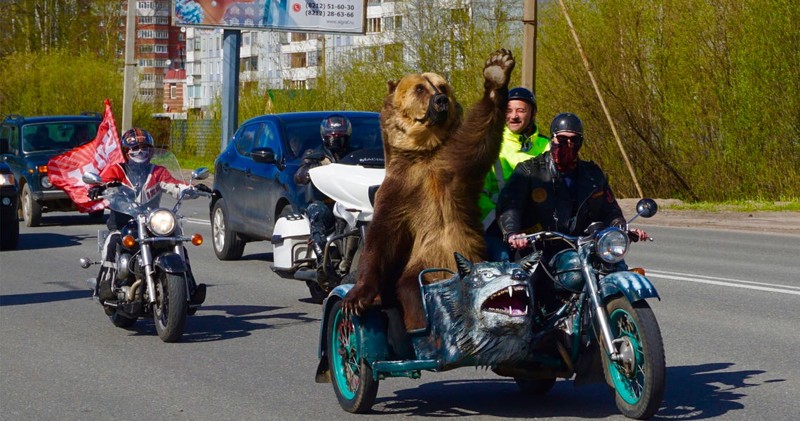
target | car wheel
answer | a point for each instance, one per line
(227, 245)
(31, 209)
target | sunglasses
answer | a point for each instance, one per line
(569, 139)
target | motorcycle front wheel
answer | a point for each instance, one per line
(170, 308)
(351, 375)
(639, 378)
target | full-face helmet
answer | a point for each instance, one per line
(137, 145)
(335, 131)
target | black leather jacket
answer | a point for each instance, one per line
(537, 197)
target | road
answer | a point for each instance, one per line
(729, 314)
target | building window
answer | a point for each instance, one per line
(160, 48)
(299, 36)
(162, 34)
(145, 48)
(374, 25)
(297, 60)
(459, 16)
(173, 91)
(146, 34)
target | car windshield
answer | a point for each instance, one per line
(57, 136)
(304, 134)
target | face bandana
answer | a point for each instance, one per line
(565, 156)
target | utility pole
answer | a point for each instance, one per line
(129, 83)
(529, 45)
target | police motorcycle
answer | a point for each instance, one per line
(351, 184)
(594, 325)
(152, 269)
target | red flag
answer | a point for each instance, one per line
(66, 170)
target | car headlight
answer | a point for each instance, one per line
(161, 222)
(6, 179)
(46, 182)
(612, 245)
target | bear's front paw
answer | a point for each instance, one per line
(357, 300)
(497, 70)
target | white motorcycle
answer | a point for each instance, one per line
(352, 188)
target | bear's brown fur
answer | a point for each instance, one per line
(427, 206)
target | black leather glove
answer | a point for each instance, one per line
(203, 188)
(96, 191)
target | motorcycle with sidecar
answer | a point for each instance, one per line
(351, 185)
(587, 319)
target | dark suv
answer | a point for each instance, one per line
(254, 175)
(27, 143)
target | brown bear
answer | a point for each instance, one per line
(427, 206)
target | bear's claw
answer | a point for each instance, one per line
(497, 70)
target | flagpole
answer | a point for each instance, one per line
(129, 85)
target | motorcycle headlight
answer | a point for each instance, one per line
(612, 245)
(161, 222)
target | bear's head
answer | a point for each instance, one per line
(419, 113)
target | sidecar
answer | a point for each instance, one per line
(477, 317)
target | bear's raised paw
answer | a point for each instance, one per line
(497, 70)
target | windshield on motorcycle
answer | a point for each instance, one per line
(132, 201)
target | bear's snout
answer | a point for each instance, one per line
(437, 110)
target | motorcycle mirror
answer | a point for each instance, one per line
(646, 208)
(92, 179)
(200, 173)
(86, 262)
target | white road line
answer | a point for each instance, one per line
(198, 221)
(736, 283)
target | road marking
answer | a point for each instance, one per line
(198, 221)
(736, 283)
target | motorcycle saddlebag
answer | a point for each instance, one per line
(290, 241)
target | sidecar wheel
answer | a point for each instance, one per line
(227, 244)
(535, 387)
(351, 375)
(639, 379)
(170, 308)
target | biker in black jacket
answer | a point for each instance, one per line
(556, 191)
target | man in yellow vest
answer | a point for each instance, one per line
(521, 141)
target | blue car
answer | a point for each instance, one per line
(27, 143)
(254, 175)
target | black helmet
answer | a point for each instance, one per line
(566, 122)
(523, 94)
(135, 137)
(335, 131)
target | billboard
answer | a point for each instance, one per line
(344, 16)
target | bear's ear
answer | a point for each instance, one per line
(392, 84)
(463, 264)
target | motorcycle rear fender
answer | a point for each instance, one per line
(635, 287)
(372, 334)
(170, 263)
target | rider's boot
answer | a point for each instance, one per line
(322, 274)
(104, 292)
